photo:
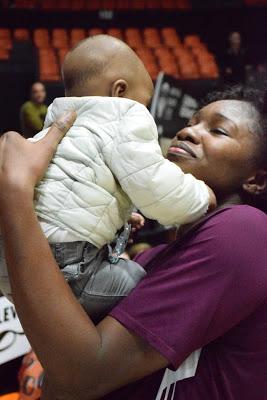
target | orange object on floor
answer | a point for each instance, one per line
(30, 378)
(10, 396)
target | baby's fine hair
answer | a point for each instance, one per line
(75, 77)
(92, 57)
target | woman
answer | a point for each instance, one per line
(206, 290)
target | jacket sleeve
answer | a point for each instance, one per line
(156, 186)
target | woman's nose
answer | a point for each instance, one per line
(188, 133)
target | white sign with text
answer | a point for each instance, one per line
(13, 342)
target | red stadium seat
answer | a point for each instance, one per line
(169, 4)
(207, 65)
(25, 3)
(123, 4)
(209, 71)
(4, 54)
(133, 38)
(170, 37)
(41, 38)
(95, 31)
(132, 31)
(48, 65)
(63, 4)
(76, 35)
(5, 33)
(137, 4)
(62, 54)
(78, 4)
(5, 43)
(199, 51)
(59, 38)
(21, 34)
(115, 32)
(182, 53)
(152, 37)
(189, 70)
(176, 4)
(146, 54)
(153, 71)
(153, 4)
(93, 5)
(183, 4)
(108, 4)
(192, 41)
(56, 5)
(256, 2)
(170, 69)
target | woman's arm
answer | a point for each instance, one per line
(92, 360)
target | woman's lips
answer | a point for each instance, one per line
(182, 150)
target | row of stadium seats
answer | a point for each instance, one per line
(256, 2)
(100, 4)
(110, 4)
(159, 49)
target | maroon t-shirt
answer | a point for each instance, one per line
(207, 290)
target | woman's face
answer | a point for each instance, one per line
(217, 146)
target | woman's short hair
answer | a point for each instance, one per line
(257, 100)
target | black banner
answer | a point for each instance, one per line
(175, 101)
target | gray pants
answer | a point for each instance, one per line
(95, 282)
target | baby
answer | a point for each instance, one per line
(109, 161)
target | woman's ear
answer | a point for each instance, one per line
(119, 88)
(257, 183)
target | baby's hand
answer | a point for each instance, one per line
(137, 221)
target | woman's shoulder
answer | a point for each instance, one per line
(228, 219)
(240, 229)
(238, 215)
(231, 239)
(234, 227)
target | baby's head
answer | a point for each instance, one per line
(105, 66)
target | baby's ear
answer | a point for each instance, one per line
(119, 88)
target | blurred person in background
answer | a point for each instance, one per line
(33, 112)
(234, 60)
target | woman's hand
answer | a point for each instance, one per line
(23, 163)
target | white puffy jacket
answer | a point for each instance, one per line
(109, 160)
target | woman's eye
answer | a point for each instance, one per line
(219, 131)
